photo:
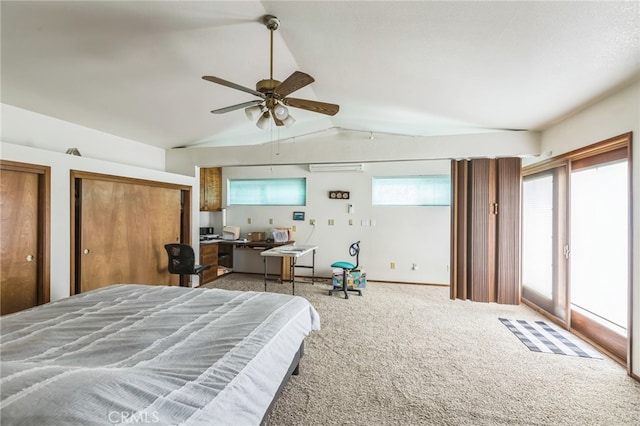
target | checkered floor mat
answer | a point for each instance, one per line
(539, 336)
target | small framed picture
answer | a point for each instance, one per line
(298, 215)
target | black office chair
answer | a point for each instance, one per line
(182, 261)
(347, 267)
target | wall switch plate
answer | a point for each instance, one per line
(350, 221)
(393, 265)
(312, 222)
(249, 221)
(270, 221)
(293, 228)
(331, 222)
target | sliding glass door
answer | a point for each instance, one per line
(576, 241)
(599, 237)
(544, 242)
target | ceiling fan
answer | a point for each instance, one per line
(274, 94)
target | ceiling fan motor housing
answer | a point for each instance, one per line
(267, 86)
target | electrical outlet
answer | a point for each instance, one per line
(414, 267)
(331, 222)
(312, 222)
(393, 265)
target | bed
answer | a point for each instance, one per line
(151, 354)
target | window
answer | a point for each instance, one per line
(267, 192)
(432, 190)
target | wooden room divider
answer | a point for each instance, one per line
(485, 230)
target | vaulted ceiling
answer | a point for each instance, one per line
(134, 68)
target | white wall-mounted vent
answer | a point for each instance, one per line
(337, 167)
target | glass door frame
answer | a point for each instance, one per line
(582, 155)
(558, 305)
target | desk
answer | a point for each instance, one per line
(292, 252)
(220, 255)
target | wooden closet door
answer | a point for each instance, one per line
(19, 240)
(123, 230)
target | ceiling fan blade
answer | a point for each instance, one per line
(233, 85)
(315, 106)
(235, 107)
(295, 81)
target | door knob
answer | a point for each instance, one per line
(30, 258)
(86, 251)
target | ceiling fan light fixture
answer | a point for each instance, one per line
(253, 112)
(281, 112)
(263, 121)
(288, 122)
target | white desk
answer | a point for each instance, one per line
(294, 253)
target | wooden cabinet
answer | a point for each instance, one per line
(485, 218)
(225, 255)
(211, 189)
(209, 256)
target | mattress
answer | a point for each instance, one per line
(150, 354)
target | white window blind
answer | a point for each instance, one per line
(433, 190)
(267, 192)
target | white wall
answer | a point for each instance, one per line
(615, 115)
(22, 127)
(401, 234)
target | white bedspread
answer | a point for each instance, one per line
(134, 354)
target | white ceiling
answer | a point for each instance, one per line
(134, 68)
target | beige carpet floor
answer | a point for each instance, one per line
(408, 355)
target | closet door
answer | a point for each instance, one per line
(24, 255)
(123, 228)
